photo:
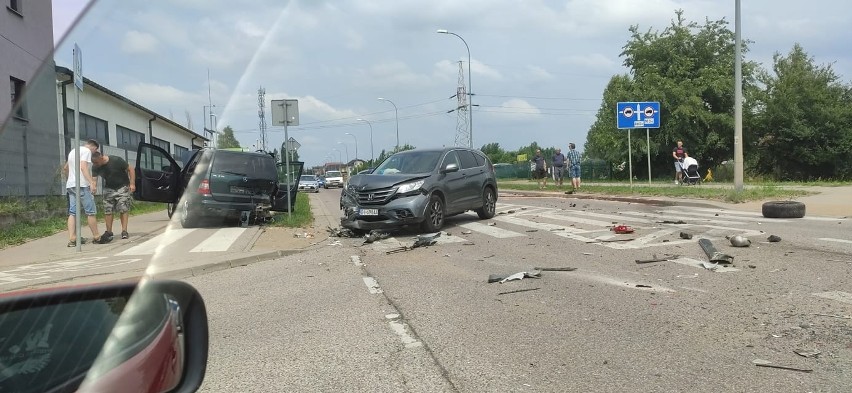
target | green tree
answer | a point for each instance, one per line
(803, 128)
(687, 67)
(227, 139)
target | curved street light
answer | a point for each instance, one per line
(469, 88)
(396, 115)
(372, 154)
(356, 143)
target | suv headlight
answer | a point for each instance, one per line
(410, 188)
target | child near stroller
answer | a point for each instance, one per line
(689, 167)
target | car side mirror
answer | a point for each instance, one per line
(102, 337)
(453, 167)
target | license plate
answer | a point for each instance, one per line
(238, 190)
(368, 212)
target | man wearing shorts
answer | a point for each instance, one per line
(574, 166)
(88, 187)
(540, 171)
(119, 185)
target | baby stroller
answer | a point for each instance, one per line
(689, 167)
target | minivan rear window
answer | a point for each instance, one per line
(253, 165)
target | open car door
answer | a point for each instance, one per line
(157, 175)
(287, 177)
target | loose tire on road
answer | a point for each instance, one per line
(783, 209)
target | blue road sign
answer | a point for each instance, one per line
(637, 114)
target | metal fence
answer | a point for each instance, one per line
(589, 169)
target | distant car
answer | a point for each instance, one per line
(421, 187)
(214, 183)
(321, 181)
(333, 179)
(309, 183)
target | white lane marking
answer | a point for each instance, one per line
(221, 240)
(372, 285)
(401, 329)
(40, 271)
(387, 244)
(577, 220)
(829, 239)
(494, 231)
(843, 297)
(158, 242)
(760, 215)
(615, 217)
(558, 230)
(688, 217)
(699, 264)
(356, 260)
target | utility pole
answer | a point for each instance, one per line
(261, 99)
(463, 118)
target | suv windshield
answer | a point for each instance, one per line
(333, 174)
(412, 162)
(243, 164)
(307, 178)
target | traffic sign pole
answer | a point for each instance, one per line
(648, 144)
(630, 157)
(646, 115)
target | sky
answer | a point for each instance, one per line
(539, 67)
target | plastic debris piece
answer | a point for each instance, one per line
(774, 239)
(491, 224)
(426, 240)
(656, 259)
(556, 269)
(375, 236)
(808, 353)
(685, 235)
(501, 278)
(643, 286)
(519, 290)
(466, 232)
(671, 222)
(712, 253)
(766, 363)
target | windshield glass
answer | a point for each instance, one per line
(308, 178)
(333, 174)
(413, 162)
(239, 164)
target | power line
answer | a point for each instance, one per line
(541, 98)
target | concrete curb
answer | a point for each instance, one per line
(195, 271)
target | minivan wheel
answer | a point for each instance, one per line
(489, 204)
(187, 218)
(434, 214)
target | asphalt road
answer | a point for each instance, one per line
(347, 316)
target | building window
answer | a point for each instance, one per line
(161, 143)
(128, 139)
(15, 5)
(90, 127)
(179, 150)
(159, 161)
(17, 88)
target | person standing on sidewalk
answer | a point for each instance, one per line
(558, 167)
(679, 152)
(119, 185)
(540, 172)
(574, 168)
(88, 187)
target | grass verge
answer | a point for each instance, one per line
(23, 232)
(718, 193)
(302, 216)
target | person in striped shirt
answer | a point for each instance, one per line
(574, 166)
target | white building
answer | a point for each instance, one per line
(117, 122)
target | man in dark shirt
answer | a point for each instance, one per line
(540, 171)
(558, 167)
(679, 152)
(119, 185)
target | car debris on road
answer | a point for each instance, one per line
(656, 259)
(713, 254)
(518, 291)
(502, 278)
(773, 239)
(739, 241)
(766, 363)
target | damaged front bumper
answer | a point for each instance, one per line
(400, 211)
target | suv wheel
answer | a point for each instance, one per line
(434, 214)
(489, 204)
(188, 219)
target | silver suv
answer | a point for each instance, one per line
(420, 187)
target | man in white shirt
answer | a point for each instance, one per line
(88, 186)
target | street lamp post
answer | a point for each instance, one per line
(372, 154)
(346, 147)
(469, 88)
(356, 143)
(396, 115)
(339, 155)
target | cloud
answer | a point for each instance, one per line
(393, 74)
(137, 42)
(447, 69)
(594, 61)
(539, 73)
(515, 109)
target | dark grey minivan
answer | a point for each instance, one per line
(214, 184)
(420, 187)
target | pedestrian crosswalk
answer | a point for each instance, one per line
(651, 229)
(195, 240)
